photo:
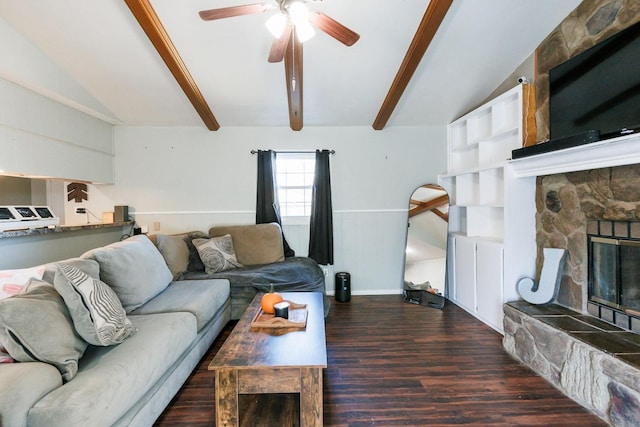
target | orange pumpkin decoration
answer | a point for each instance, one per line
(269, 300)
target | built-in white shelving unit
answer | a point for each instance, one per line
(492, 213)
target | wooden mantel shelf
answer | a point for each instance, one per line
(59, 229)
(624, 150)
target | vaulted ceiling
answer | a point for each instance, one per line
(102, 46)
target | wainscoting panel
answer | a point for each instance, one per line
(370, 246)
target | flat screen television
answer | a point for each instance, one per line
(598, 90)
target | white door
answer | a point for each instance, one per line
(489, 282)
(465, 272)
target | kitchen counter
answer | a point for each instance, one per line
(59, 229)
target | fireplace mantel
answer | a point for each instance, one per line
(624, 150)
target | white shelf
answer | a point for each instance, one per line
(492, 186)
(478, 126)
(485, 221)
(468, 189)
(492, 214)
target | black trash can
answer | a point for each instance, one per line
(343, 287)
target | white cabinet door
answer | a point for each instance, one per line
(465, 276)
(489, 282)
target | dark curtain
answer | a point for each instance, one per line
(267, 207)
(321, 227)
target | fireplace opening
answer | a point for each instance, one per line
(614, 272)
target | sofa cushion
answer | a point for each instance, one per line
(111, 378)
(194, 262)
(12, 281)
(23, 384)
(134, 268)
(203, 298)
(88, 266)
(97, 313)
(175, 252)
(35, 326)
(217, 254)
(255, 243)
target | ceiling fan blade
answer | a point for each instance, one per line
(229, 12)
(334, 28)
(293, 72)
(279, 45)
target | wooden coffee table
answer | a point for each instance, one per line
(267, 360)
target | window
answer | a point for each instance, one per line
(294, 178)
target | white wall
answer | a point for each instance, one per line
(190, 178)
(41, 137)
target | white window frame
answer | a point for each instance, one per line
(306, 185)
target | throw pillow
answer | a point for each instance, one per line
(217, 254)
(35, 326)
(88, 266)
(175, 252)
(255, 244)
(12, 281)
(133, 268)
(195, 263)
(96, 311)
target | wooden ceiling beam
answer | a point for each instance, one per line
(433, 187)
(427, 29)
(444, 216)
(293, 75)
(150, 23)
(427, 206)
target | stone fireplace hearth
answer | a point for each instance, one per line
(594, 363)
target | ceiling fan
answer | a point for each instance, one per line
(291, 26)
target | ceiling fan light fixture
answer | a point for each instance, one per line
(304, 31)
(298, 12)
(276, 24)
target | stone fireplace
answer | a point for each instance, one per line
(575, 208)
(586, 348)
(589, 348)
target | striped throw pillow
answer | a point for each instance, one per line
(97, 313)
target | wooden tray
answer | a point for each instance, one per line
(297, 318)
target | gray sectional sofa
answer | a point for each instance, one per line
(129, 383)
(172, 308)
(260, 251)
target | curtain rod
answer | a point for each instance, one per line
(294, 152)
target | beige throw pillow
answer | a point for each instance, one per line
(255, 244)
(175, 252)
(35, 326)
(217, 254)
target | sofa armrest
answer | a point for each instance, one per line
(23, 385)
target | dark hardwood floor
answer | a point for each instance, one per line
(392, 363)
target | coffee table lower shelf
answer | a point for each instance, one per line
(231, 383)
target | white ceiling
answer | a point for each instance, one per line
(100, 45)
